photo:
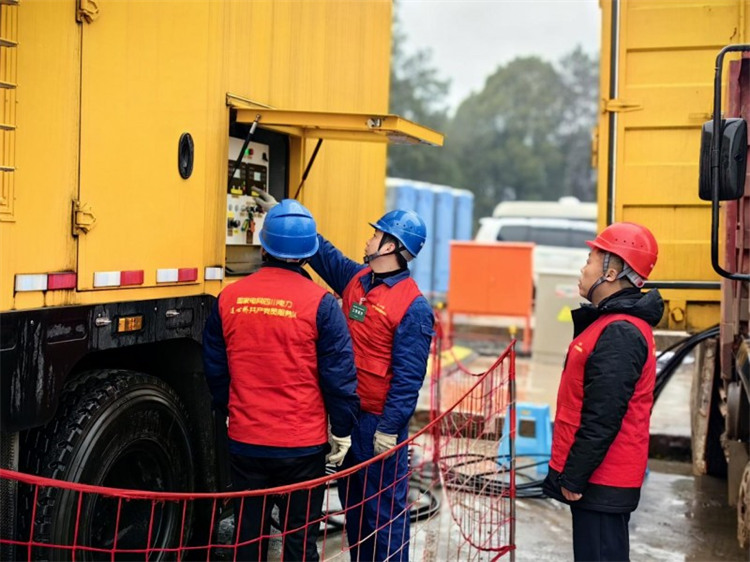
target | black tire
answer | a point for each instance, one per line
(118, 429)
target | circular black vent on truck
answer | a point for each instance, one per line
(185, 155)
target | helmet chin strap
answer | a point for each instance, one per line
(626, 273)
(598, 282)
(602, 278)
(368, 258)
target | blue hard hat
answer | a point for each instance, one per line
(405, 226)
(289, 231)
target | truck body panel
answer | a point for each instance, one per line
(656, 79)
(659, 61)
(99, 107)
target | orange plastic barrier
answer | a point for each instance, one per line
(461, 499)
(492, 279)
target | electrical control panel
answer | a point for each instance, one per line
(244, 216)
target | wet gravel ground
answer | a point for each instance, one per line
(681, 517)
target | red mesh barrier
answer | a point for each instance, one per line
(461, 498)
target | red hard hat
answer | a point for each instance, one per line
(632, 242)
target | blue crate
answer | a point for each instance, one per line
(533, 435)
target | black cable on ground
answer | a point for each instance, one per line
(487, 482)
(418, 511)
(683, 348)
(427, 507)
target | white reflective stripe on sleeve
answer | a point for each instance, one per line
(33, 282)
(214, 274)
(106, 279)
(167, 275)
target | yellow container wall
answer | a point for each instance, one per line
(100, 108)
(36, 235)
(666, 51)
(325, 56)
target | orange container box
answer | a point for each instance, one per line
(491, 278)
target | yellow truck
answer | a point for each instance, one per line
(134, 135)
(653, 148)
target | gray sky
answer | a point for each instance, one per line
(469, 39)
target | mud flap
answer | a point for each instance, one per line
(706, 420)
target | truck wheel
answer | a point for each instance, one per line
(118, 429)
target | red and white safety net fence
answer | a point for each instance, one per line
(453, 499)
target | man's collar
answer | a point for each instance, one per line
(369, 281)
(295, 267)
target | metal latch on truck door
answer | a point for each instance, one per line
(619, 106)
(83, 218)
(88, 11)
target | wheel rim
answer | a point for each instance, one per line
(142, 466)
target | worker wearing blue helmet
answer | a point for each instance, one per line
(391, 324)
(280, 404)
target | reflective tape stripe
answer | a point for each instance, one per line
(62, 280)
(166, 275)
(131, 277)
(106, 279)
(174, 275)
(214, 274)
(31, 282)
(187, 274)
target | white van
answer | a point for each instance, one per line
(564, 208)
(560, 242)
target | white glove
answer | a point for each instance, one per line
(265, 201)
(382, 442)
(339, 448)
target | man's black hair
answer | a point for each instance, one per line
(399, 248)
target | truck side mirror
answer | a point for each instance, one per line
(732, 161)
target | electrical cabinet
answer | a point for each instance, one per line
(250, 176)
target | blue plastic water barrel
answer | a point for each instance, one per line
(400, 194)
(463, 226)
(444, 219)
(421, 268)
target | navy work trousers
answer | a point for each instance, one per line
(295, 509)
(600, 536)
(375, 498)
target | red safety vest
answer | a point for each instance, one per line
(624, 465)
(270, 329)
(373, 338)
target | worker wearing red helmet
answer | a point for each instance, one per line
(601, 435)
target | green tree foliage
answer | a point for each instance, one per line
(525, 135)
(505, 135)
(580, 77)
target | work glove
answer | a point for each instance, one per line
(265, 201)
(339, 448)
(381, 442)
